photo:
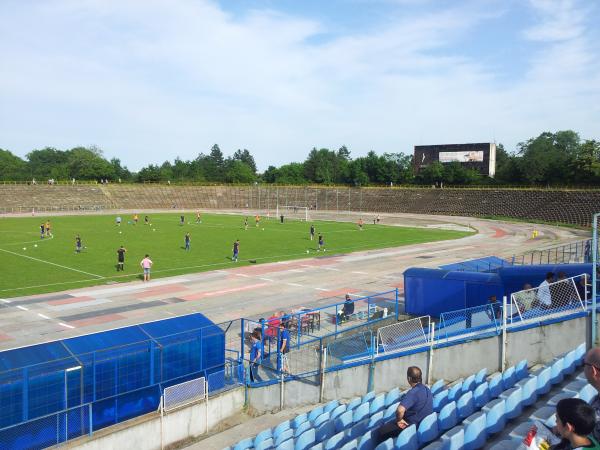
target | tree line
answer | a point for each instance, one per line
(560, 158)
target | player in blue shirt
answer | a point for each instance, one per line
(188, 240)
(284, 347)
(321, 243)
(236, 250)
(255, 356)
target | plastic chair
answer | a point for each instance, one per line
(408, 439)
(352, 445)
(428, 429)
(367, 440)
(469, 384)
(390, 411)
(335, 441)
(529, 393)
(331, 406)
(495, 416)
(437, 387)
(587, 393)
(465, 405)
(569, 363)
(481, 395)
(325, 431)
(318, 446)
(315, 413)
(343, 422)
(521, 370)
(306, 440)
(264, 445)
(392, 397)
(375, 420)
(556, 371)
(481, 376)
(553, 401)
(386, 445)
(495, 385)
(474, 428)
(298, 420)
(280, 428)
(453, 439)
(353, 403)
(514, 405)
(368, 397)
(377, 404)
(360, 413)
(358, 430)
(302, 428)
(505, 444)
(579, 354)
(440, 400)
(455, 392)
(263, 436)
(509, 378)
(244, 444)
(321, 420)
(543, 381)
(283, 436)
(447, 417)
(338, 411)
(286, 445)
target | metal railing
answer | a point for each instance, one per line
(573, 252)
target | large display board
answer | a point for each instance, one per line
(478, 156)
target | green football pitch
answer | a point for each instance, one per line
(31, 265)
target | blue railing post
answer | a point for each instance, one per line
(90, 418)
(397, 305)
(335, 320)
(94, 376)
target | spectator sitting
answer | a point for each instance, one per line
(525, 299)
(347, 310)
(575, 421)
(543, 295)
(416, 404)
(566, 291)
(591, 369)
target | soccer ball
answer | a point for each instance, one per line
(263, 229)
(24, 248)
(35, 245)
(306, 251)
(120, 232)
(153, 229)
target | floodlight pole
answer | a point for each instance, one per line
(594, 277)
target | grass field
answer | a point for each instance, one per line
(31, 265)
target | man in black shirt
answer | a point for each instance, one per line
(121, 258)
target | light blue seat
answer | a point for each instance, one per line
(495, 385)
(298, 420)
(481, 395)
(367, 440)
(286, 445)
(521, 370)
(474, 428)
(321, 419)
(318, 446)
(368, 397)
(331, 406)
(377, 404)
(543, 381)
(529, 393)
(437, 387)
(360, 413)
(481, 376)
(335, 441)
(376, 420)
(353, 403)
(575, 385)
(587, 392)
(343, 422)
(465, 405)
(519, 432)
(556, 371)
(265, 444)
(440, 400)
(435, 445)
(338, 411)
(469, 384)
(244, 444)
(352, 445)
(569, 363)
(579, 354)
(325, 431)
(358, 429)
(390, 411)
(543, 414)
(386, 445)
(408, 439)
(514, 405)
(262, 436)
(428, 429)
(315, 413)
(392, 397)
(306, 440)
(509, 378)
(283, 436)
(455, 391)
(302, 428)
(281, 428)
(454, 439)
(495, 416)
(553, 401)
(505, 444)
(447, 417)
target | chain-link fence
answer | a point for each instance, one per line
(476, 321)
(404, 335)
(349, 349)
(552, 298)
(183, 394)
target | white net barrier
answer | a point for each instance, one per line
(183, 394)
(294, 212)
(404, 335)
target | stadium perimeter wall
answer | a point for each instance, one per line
(537, 344)
(548, 205)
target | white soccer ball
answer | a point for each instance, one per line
(306, 251)
(153, 229)
(24, 248)
(120, 232)
(263, 229)
(35, 245)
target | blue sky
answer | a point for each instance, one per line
(150, 80)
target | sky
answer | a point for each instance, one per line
(151, 80)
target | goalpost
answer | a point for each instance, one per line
(293, 212)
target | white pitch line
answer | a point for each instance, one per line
(321, 289)
(295, 270)
(22, 307)
(44, 317)
(294, 284)
(331, 269)
(65, 325)
(267, 279)
(51, 263)
(4, 301)
(360, 273)
(242, 275)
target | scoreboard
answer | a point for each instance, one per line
(479, 156)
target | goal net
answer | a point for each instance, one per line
(293, 212)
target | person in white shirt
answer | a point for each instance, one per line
(544, 296)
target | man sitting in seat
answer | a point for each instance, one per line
(347, 310)
(416, 404)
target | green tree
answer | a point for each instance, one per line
(245, 157)
(12, 167)
(292, 173)
(150, 173)
(85, 164)
(239, 172)
(42, 162)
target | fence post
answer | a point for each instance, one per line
(397, 305)
(504, 342)
(91, 422)
(430, 365)
(323, 366)
(281, 391)
(206, 401)
(594, 277)
(162, 414)
(370, 381)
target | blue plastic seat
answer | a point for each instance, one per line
(453, 439)
(514, 404)
(325, 431)
(465, 405)
(280, 428)
(302, 428)
(440, 400)
(579, 354)
(575, 385)
(481, 395)
(392, 397)
(438, 386)
(529, 393)
(521, 370)
(386, 445)
(298, 420)
(474, 428)
(553, 401)
(318, 446)
(455, 392)
(338, 411)
(390, 411)
(495, 385)
(343, 422)
(587, 393)
(306, 440)
(283, 436)
(335, 441)
(556, 371)
(495, 416)
(265, 444)
(330, 406)
(505, 444)
(367, 440)
(286, 445)
(262, 436)
(428, 429)
(377, 404)
(358, 429)
(481, 376)
(321, 419)
(368, 397)
(315, 413)
(360, 413)
(408, 439)
(376, 420)
(509, 378)
(543, 414)
(353, 403)
(244, 444)
(447, 417)
(569, 363)
(352, 445)
(543, 381)
(469, 384)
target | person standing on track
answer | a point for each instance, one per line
(121, 258)
(146, 264)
